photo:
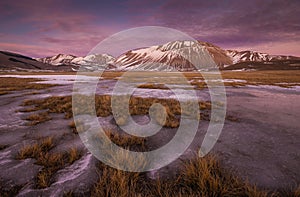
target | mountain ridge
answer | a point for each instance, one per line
(171, 56)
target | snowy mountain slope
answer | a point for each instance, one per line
(172, 56)
(252, 56)
(60, 59)
(89, 62)
(178, 55)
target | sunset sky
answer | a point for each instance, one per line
(48, 27)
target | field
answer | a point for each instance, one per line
(257, 153)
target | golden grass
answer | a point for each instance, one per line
(119, 183)
(81, 127)
(51, 162)
(137, 106)
(267, 77)
(206, 177)
(28, 109)
(125, 140)
(34, 150)
(38, 118)
(153, 86)
(8, 84)
(198, 177)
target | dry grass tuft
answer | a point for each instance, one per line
(8, 84)
(81, 127)
(137, 106)
(36, 149)
(153, 86)
(38, 118)
(117, 183)
(28, 109)
(205, 177)
(198, 177)
(125, 140)
(51, 162)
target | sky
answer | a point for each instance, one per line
(44, 28)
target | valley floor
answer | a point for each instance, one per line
(259, 142)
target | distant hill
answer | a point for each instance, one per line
(13, 61)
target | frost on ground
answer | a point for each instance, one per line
(262, 145)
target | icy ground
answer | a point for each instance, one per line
(261, 146)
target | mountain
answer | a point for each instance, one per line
(247, 60)
(252, 56)
(175, 56)
(60, 59)
(171, 56)
(13, 61)
(89, 62)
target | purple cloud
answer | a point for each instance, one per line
(75, 26)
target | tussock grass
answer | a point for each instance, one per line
(28, 109)
(38, 118)
(137, 106)
(153, 86)
(36, 149)
(277, 78)
(198, 177)
(81, 127)
(125, 140)
(8, 84)
(51, 162)
(114, 182)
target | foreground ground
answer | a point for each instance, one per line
(41, 152)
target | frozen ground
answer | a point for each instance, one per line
(261, 146)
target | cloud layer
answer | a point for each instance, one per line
(42, 28)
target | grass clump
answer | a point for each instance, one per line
(137, 106)
(119, 183)
(51, 162)
(198, 177)
(125, 140)
(153, 86)
(81, 127)
(38, 118)
(36, 149)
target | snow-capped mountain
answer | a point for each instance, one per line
(89, 62)
(252, 56)
(177, 55)
(60, 59)
(191, 55)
